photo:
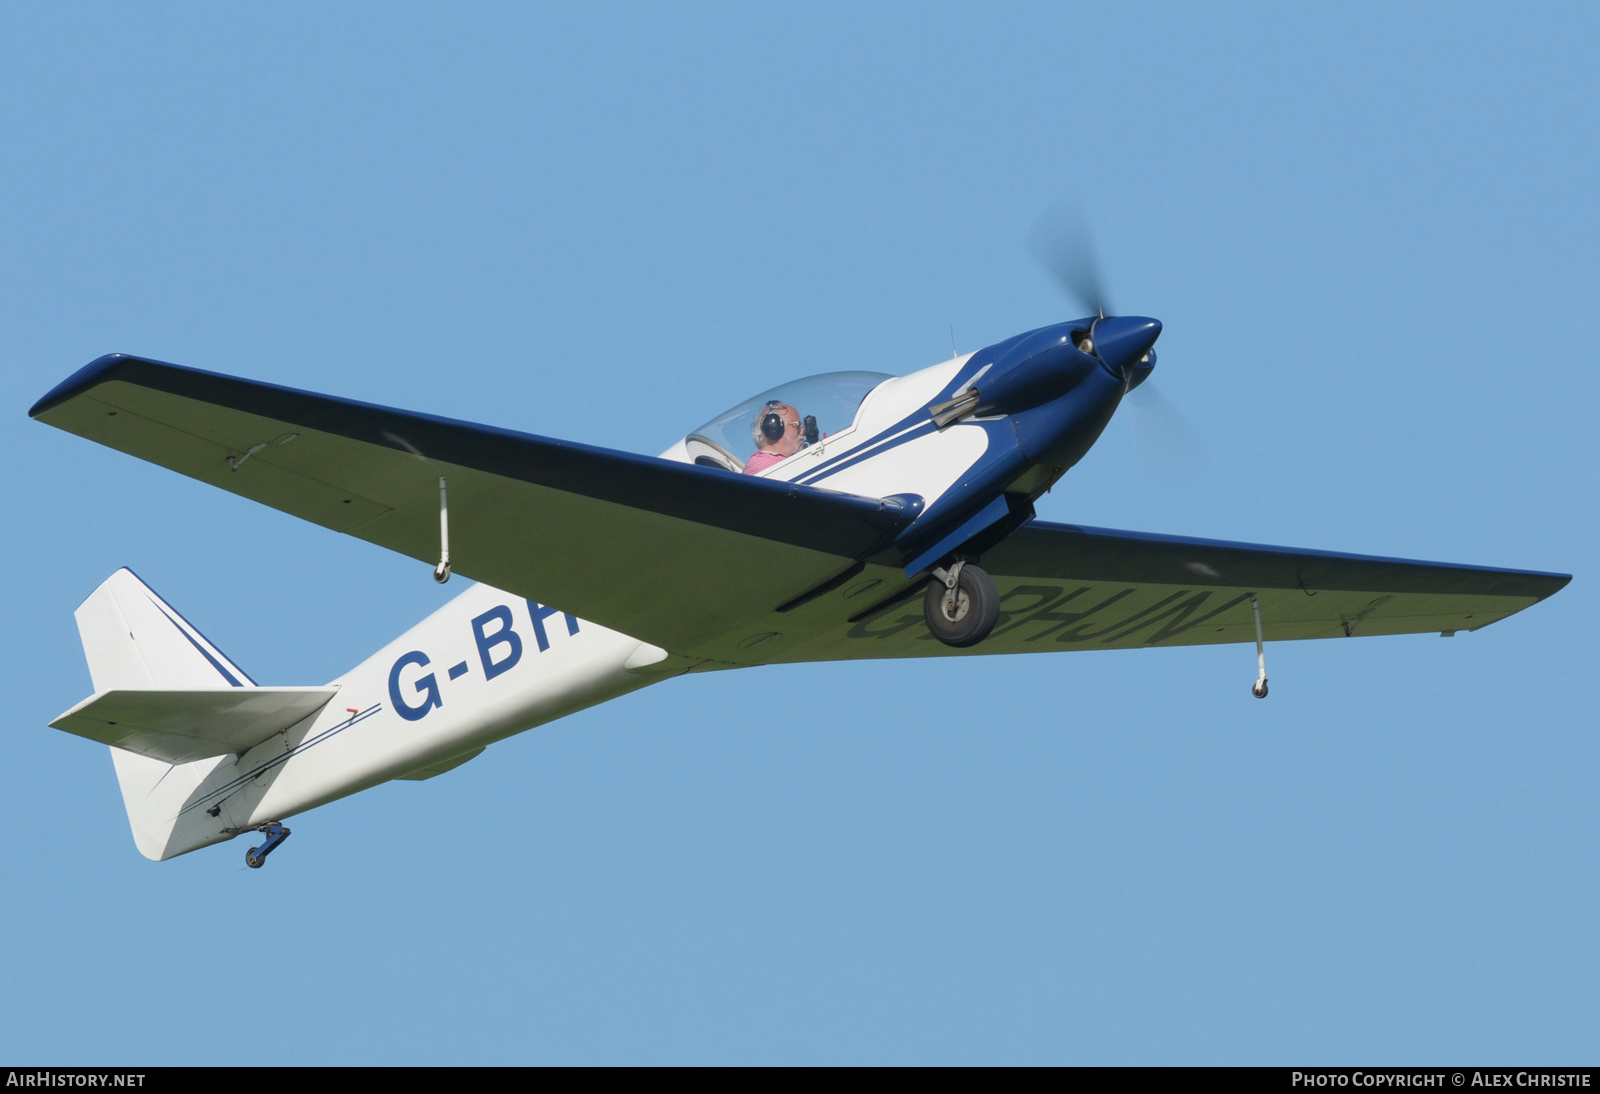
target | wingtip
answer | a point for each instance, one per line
(1561, 582)
(82, 380)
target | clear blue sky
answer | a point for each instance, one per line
(1371, 233)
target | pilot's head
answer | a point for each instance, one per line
(778, 429)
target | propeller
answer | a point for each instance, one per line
(1167, 446)
(1060, 241)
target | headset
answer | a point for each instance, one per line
(772, 425)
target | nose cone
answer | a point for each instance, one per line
(1121, 341)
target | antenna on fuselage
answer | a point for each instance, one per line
(954, 353)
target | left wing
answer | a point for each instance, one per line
(1064, 587)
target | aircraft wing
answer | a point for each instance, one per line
(670, 553)
(1070, 588)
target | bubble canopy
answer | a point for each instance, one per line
(832, 398)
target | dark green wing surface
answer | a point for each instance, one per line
(667, 552)
(727, 568)
(1069, 588)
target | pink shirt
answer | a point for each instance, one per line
(761, 461)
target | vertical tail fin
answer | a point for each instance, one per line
(134, 639)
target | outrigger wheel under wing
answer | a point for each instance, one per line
(669, 553)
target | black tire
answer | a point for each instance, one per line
(977, 608)
(251, 861)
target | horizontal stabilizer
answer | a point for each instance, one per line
(179, 726)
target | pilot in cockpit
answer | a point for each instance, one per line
(779, 433)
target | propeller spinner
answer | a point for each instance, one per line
(1060, 241)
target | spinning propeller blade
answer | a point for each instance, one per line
(1060, 241)
(1168, 448)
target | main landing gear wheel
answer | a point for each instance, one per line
(961, 605)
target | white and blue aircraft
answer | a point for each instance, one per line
(847, 515)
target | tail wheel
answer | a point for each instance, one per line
(965, 615)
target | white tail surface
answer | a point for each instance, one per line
(176, 727)
(135, 640)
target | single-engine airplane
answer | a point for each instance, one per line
(846, 515)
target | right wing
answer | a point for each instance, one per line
(670, 553)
